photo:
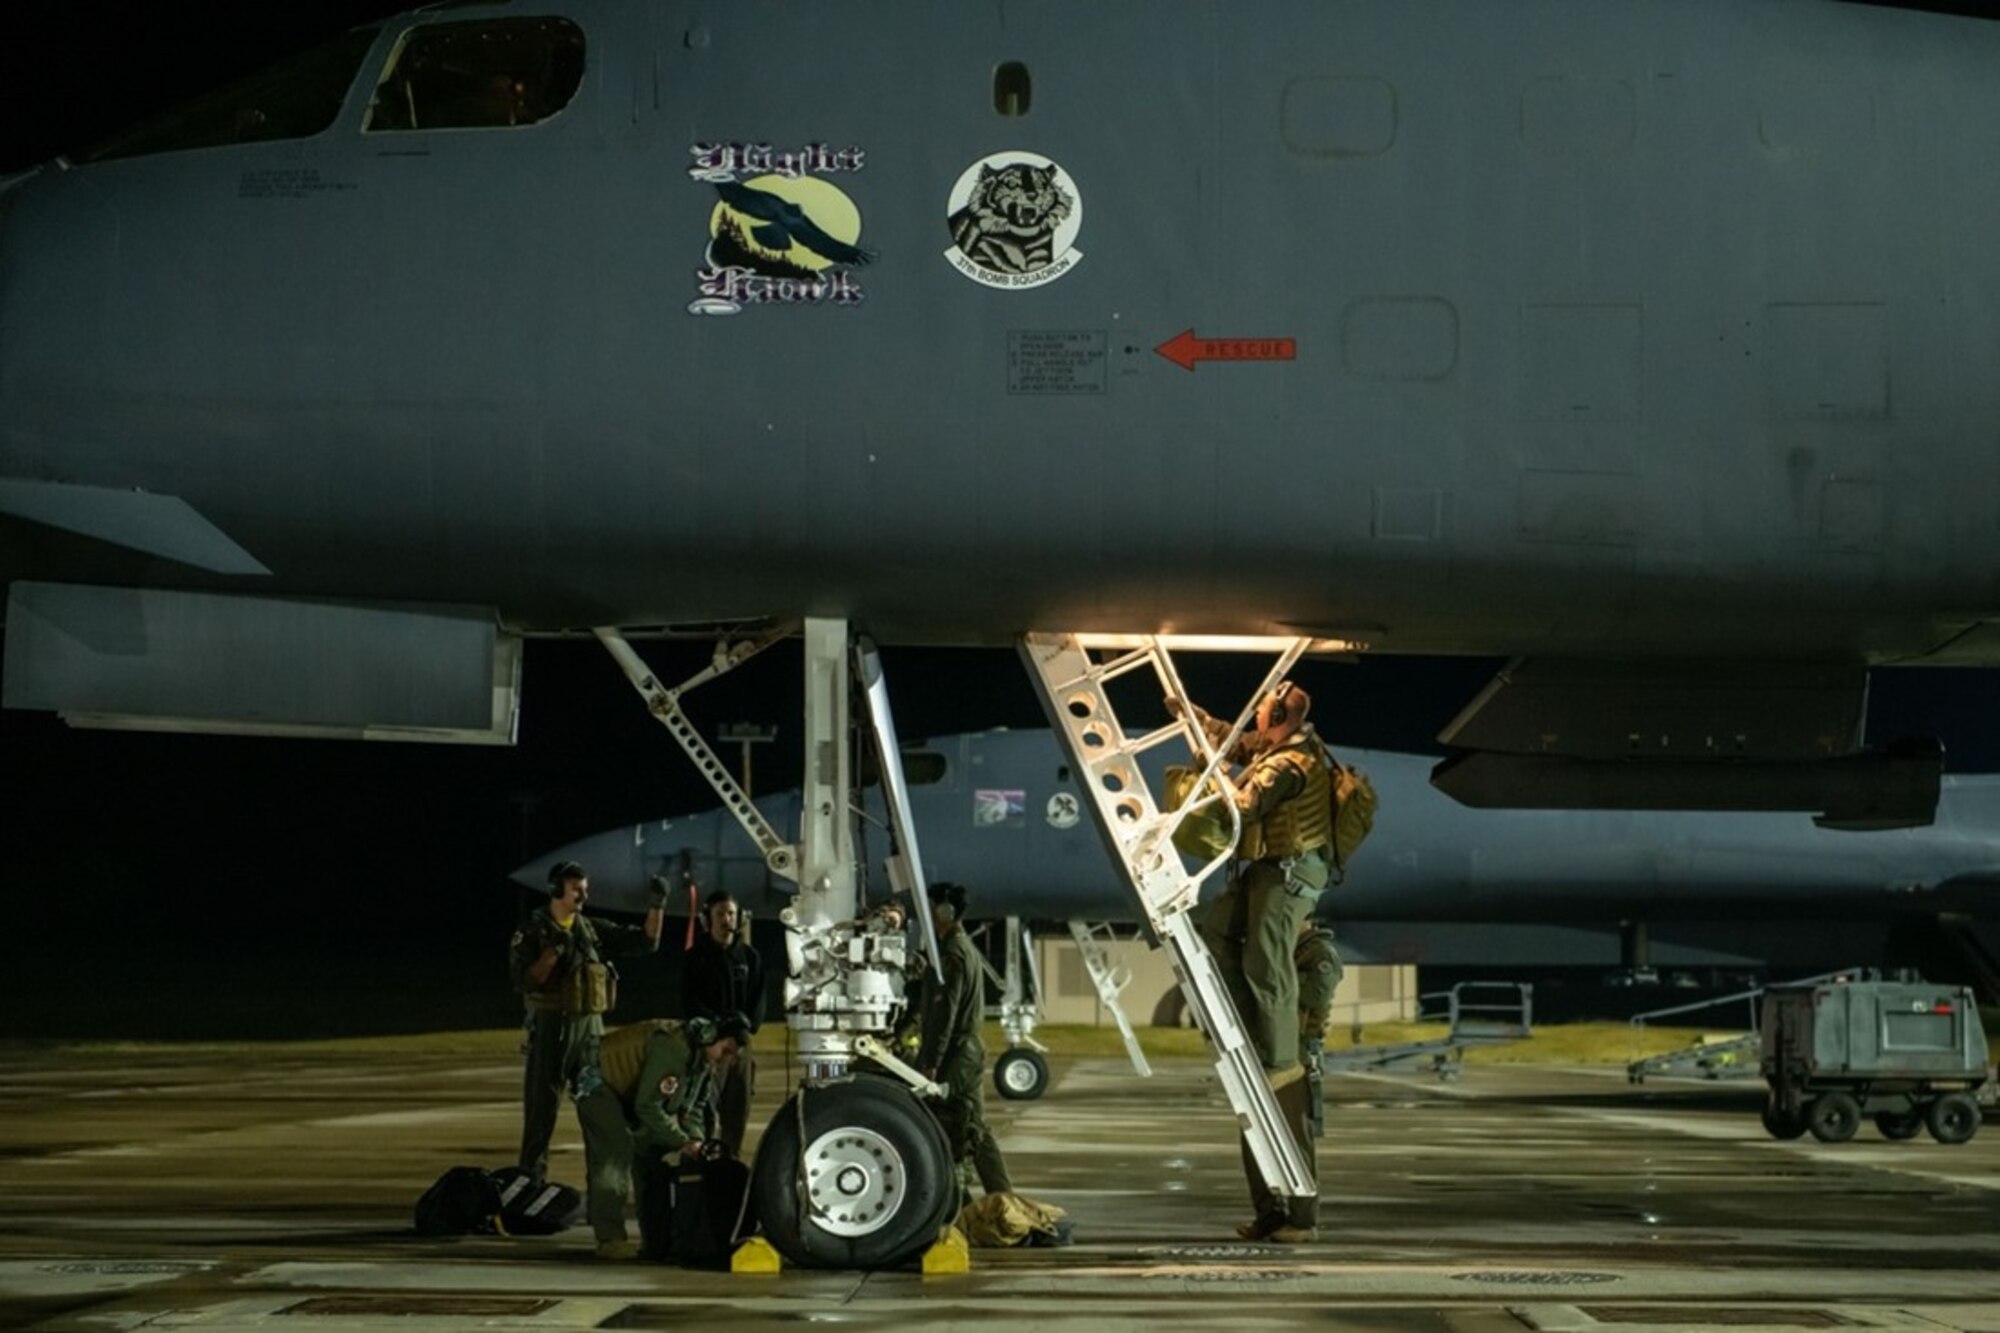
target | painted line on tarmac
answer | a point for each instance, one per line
(1749, 1134)
(83, 1275)
(1895, 1159)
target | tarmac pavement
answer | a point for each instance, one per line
(223, 1188)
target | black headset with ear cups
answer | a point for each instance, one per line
(560, 873)
(946, 894)
(1280, 714)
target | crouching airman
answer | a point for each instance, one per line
(646, 1106)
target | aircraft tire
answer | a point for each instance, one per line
(1021, 1074)
(1172, 1010)
(1899, 1125)
(854, 1174)
(1952, 1118)
(1833, 1117)
(1781, 1126)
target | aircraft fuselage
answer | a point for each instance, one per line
(1534, 327)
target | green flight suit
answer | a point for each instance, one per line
(1254, 925)
(558, 1044)
(952, 1053)
(1320, 971)
(633, 1122)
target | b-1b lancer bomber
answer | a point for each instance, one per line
(1645, 344)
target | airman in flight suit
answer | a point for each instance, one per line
(951, 1051)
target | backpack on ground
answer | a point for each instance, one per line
(998, 1221)
(707, 1200)
(463, 1202)
(528, 1209)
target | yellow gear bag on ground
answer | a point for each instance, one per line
(1000, 1221)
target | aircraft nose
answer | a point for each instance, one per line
(8, 185)
(614, 860)
(57, 243)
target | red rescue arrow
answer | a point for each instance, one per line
(1186, 349)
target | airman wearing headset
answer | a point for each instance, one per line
(951, 1051)
(647, 1105)
(723, 974)
(1284, 795)
(558, 960)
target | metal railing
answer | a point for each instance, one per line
(1473, 1021)
(1503, 1018)
(1719, 1059)
(1750, 997)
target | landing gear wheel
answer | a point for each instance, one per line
(1172, 1011)
(1833, 1117)
(1899, 1125)
(866, 1182)
(1021, 1075)
(1781, 1126)
(1952, 1118)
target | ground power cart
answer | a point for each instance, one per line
(1910, 1054)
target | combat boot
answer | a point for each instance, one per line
(1260, 1228)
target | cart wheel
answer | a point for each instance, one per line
(1781, 1126)
(1833, 1117)
(1021, 1075)
(862, 1178)
(1899, 1125)
(1952, 1118)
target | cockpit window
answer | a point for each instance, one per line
(289, 100)
(922, 768)
(487, 74)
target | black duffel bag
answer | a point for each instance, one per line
(708, 1200)
(528, 1209)
(463, 1202)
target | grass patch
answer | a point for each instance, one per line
(1566, 1043)
(492, 1043)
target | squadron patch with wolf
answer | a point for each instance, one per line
(1014, 219)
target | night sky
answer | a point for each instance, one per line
(192, 885)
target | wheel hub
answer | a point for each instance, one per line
(855, 1181)
(1020, 1075)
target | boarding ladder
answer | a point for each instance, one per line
(1073, 672)
(1093, 945)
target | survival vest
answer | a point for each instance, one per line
(1304, 823)
(1338, 799)
(588, 985)
(622, 1054)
